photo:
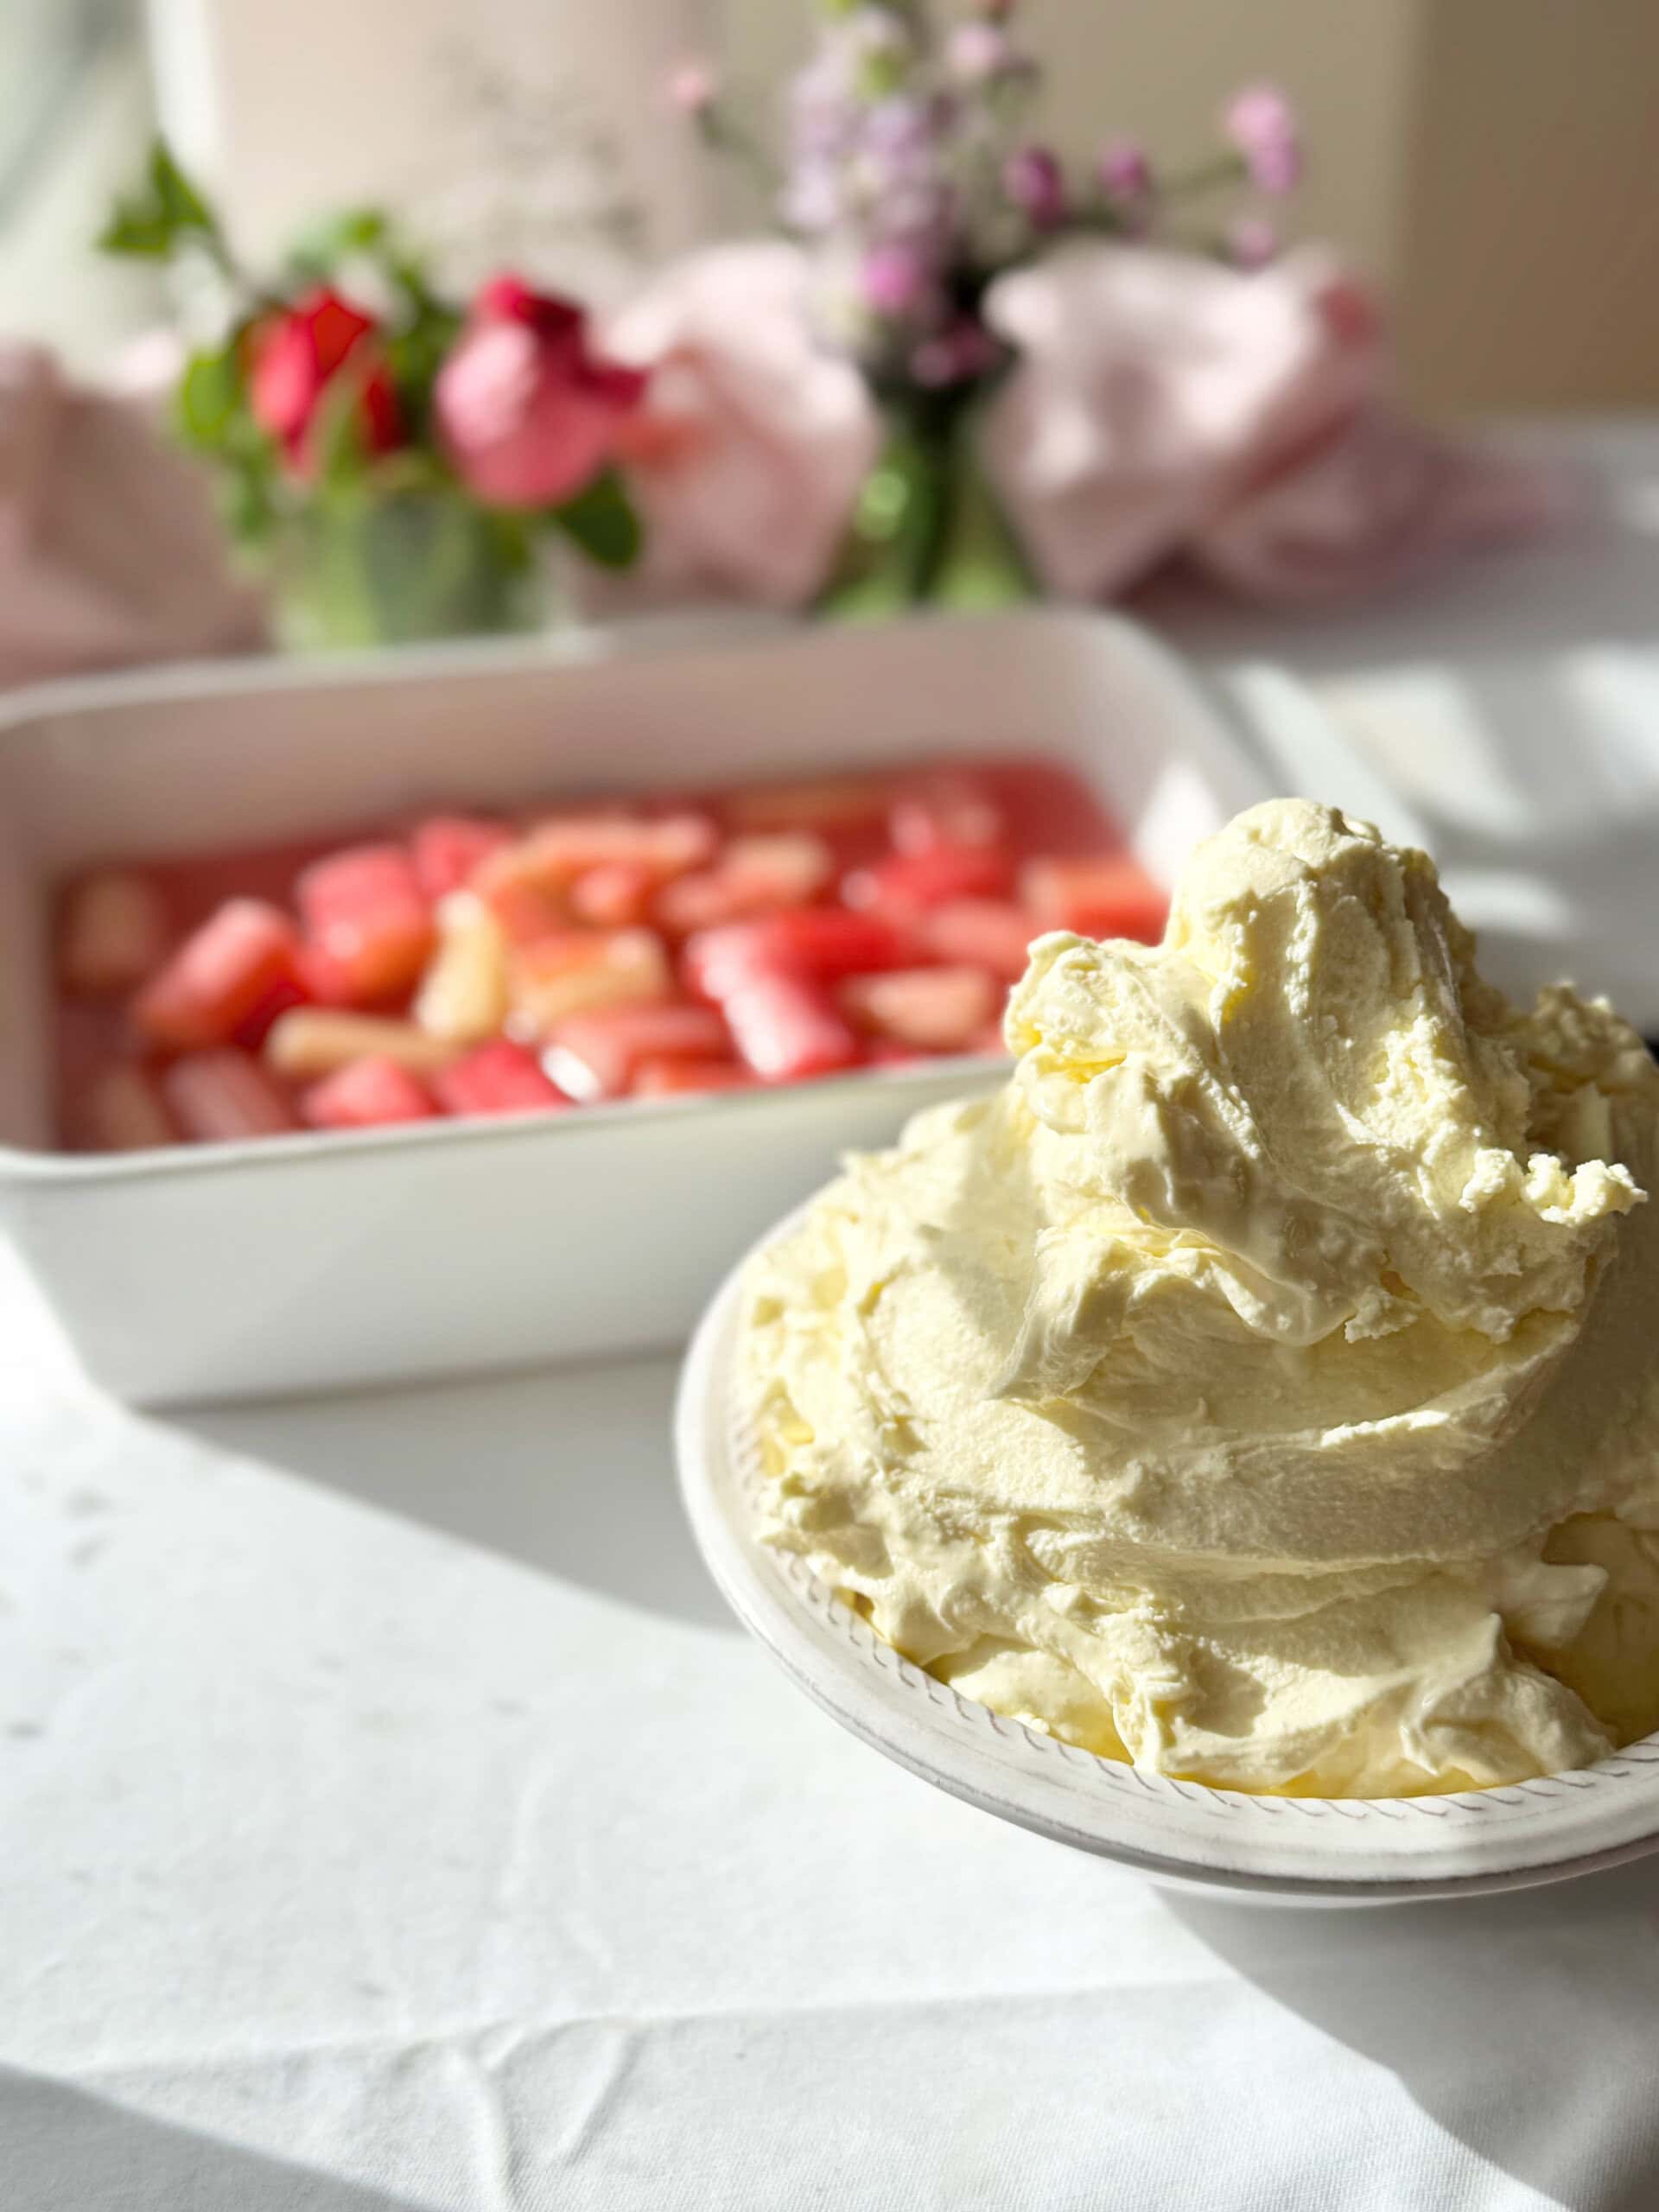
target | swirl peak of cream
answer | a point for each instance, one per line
(1262, 1385)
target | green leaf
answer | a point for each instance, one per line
(165, 212)
(134, 230)
(210, 396)
(319, 251)
(602, 521)
(176, 198)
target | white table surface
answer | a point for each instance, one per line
(390, 1819)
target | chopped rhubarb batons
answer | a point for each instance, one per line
(597, 1055)
(934, 1009)
(910, 882)
(680, 1078)
(948, 807)
(463, 994)
(786, 1028)
(241, 961)
(556, 976)
(367, 923)
(989, 933)
(1114, 897)
(500, 1077)
(219, 1096)
(446, 851)
(120, 1109)
(113, 933)
(752, 876)
(314, 1040)
(371, 1093)
(819, 944)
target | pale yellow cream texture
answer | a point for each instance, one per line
(1261, 1386)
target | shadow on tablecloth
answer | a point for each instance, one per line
(65, 2149)
(568, 1470)
(1525, 2026)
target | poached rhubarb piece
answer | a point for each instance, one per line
(911, 881)
(948, 809)
(615, 895)
(463, 994)
(570, 970)
(680, 1078)
(819, 944)
(446, 851)
(828, 805)
(501, 1077)
(989, 933)
(787, 1029)
(651, 947)
(121, 1110)
(754, 874)
(222, 977)
(315, 1040)
(367, 923)
(217, 1097)
(1114, 897)
(556, 854)
(598, 1055)
(114, 932)
(371, 1093)
(935, 1009)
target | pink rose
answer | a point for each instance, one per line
(526, 413)
(748, 454)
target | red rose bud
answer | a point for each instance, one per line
(298, 352)
(526, 414)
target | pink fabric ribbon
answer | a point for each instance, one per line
(1160, 407)
(110, 551)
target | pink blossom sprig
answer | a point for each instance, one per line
(908, 177)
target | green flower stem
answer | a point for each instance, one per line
(926, 530)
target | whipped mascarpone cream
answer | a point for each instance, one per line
(1261, 1386)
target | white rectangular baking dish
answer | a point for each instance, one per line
(316, 1261)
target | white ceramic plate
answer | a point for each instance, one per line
(1309, 1850)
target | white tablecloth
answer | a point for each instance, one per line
(390, 1819)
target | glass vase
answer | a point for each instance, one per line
(397, 567)
(927, 529)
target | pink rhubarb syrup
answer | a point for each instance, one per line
(565, 955)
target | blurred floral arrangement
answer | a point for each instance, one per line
(910, 178)
(969, 370)
(393, 461)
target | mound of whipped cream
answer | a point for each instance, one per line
(1264, 1385)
